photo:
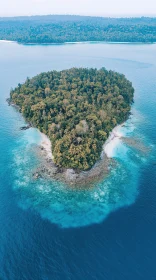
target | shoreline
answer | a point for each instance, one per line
(76, 178)
(8, 41)
(71, 177)
(80, 42)
(108, 146)
(112, 141)
(46, 145)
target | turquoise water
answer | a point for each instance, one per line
(44, 224)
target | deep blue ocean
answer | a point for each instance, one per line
(51, 232)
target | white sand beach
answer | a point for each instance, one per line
(46, 144)
(112, 141)
(7, 41)
(108, 148)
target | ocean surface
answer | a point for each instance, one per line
(49, 231)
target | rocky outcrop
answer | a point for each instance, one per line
(71, 177)
(25, 127)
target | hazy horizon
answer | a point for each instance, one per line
(84, 15)
(98, 8)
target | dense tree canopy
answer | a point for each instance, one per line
(77, 109)
(60, 29)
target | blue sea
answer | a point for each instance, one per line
(49, 231)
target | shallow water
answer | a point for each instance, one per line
(49, 231)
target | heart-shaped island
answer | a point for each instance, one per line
(76, 109)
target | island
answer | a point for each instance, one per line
(69, 28)
(77, 109)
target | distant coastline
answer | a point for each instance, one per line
(8, 41)
(81, 42)
(62, 29)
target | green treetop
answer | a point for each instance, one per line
(76, 109)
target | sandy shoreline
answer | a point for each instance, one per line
(7, 41)
(70, 176)
(46, 144)
(80, 42)
(108, 148)
(112, 141)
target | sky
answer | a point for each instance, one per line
(78, 7)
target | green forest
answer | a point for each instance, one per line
(61, 29)
(76, 109)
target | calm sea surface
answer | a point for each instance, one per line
(51, 232)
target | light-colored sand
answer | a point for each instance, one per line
(108, 147)
(46, 144)
(112, 141)
(7, 41)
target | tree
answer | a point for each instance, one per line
(77, 109)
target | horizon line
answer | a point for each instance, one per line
(84, 15)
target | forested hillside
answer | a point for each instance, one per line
(60, 29)
(77, 109)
